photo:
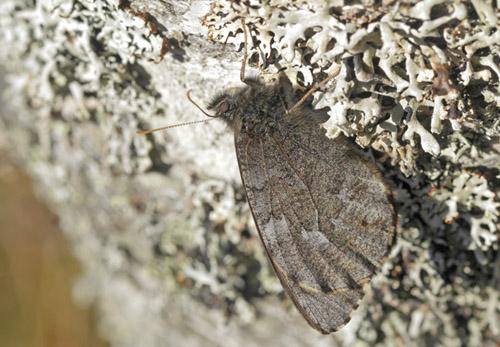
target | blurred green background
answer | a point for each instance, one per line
(37, 271)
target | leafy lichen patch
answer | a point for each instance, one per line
(438, 57)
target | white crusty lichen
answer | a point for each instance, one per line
(439, 58)
(160, 222)
(465, 195)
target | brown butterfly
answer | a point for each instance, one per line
(324, 214)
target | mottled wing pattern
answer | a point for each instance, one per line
(325, 217)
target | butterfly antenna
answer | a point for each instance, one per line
(172, 126)
(199, 107)
(181, 124)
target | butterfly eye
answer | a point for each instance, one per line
(224, 106)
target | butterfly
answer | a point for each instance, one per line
(325, 215)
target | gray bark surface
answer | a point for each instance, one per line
(168, 247)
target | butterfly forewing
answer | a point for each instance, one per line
(324, 215)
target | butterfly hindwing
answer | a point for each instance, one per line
(324, 215)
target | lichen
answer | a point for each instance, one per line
(393, 55)
(466, 196)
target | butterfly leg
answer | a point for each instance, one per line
(312, 90)
(251, 82)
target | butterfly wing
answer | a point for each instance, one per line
(324, 214)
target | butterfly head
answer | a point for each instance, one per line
(228, 106)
